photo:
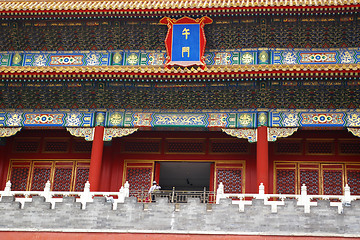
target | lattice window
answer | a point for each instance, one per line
(26, 146)
(56, 146)
(285, 181)
(349, 147)
(287, 147)
(82, 146)
(39, 178)
(62, 179)
(353, 180)
(142, 146)
(82, 175)
(229, 147)
(139, 179)
(320, 147)
(332, 182)
(231, 178)
(19, 177)
(311, 180)
(185, 146)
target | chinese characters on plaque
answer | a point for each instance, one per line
(185, 41)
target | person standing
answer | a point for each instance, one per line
(153, 188)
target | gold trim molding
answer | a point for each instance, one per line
(87, 133)
(274, 133)
(354, 131)
(249, 134)
(110, 133)
(91, 5)
(7, 131)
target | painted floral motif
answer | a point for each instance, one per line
(93, 59)
(353, 120)
(245, 120)
(290, 119)
(40, 60)
(73, 119)
(14, 119)
(289, 58)
(347, 57)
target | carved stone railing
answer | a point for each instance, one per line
(307, 201)
(53, 197)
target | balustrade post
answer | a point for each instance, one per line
(7, 189)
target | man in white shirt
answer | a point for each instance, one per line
(152, 189)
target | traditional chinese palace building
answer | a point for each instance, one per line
(86, 95)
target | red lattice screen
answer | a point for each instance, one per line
(311, 180)
(353, 180)
(285, 181)
(62, 179)
(226, 146)
(188, 146)
(63, 176)
(231, 178)
(82, 175)
(40, 176)
(288, 147)
(320, 148)
(19, 177)
(139, 179)
(333, 182)
(145, 146)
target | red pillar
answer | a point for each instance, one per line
(262, 158)
(96, 158)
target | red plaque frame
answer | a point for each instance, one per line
(168, 40)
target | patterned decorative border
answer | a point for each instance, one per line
(153, 5)
(288, 118)
(269, 56)
(54, 118)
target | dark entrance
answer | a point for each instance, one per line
(187, 176)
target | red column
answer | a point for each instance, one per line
(96, 158)
(262, 158)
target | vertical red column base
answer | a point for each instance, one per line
(96, 158)
(262, 158)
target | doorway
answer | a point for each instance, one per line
(187, 176)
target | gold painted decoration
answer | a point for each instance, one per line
(262, 119)
(117, 58)
(153, 5)
(110, 133)
(355, 131)
(249, 134)
(87, 133)
(274, 133)
(263, 57)
(7, 132)
(17, 59)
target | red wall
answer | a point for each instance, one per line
(113, 158)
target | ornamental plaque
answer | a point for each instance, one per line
(185, 41)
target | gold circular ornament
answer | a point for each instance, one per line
(262, 119)
(245, 119)
(17, 58)
(247, 58)
(100, 118)
(115, 119)
(117, 58)
(263, 56)
(132, 59)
